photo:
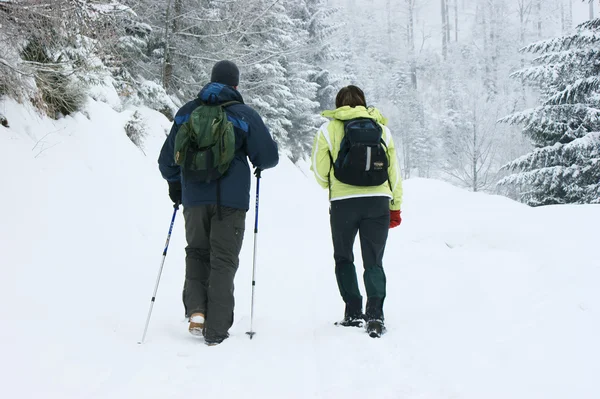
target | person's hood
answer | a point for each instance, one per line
(347, 112)
(218, 93)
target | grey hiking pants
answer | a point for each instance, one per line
(370, 218)
(212, 259)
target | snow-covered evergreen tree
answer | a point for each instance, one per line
(414, 140)
(55, 49)
(319, 20)
(307, 77)
(281, 49)
(565, 128)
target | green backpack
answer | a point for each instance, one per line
(205, 143)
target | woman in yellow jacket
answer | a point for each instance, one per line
(367, 202)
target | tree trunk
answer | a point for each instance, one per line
(482, 10)
(569, 17)
(388, 10)
(444, 30)
(539, 12)
(562, 17)
(411, 43)
(456, 21)
(475, 151)
(591, 9)
(494, 22)
(448, 27)
(524, 11)
(407, 165)
(411, 26)
(177, 15)
(168, 66)
(521, 26)
(172, 20)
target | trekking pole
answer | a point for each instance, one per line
(176, 206)
(251, 332)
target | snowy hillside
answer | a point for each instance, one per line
(487, 298)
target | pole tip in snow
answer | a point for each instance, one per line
(251, 334)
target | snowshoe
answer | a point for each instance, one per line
(352, 321)
(375, 328)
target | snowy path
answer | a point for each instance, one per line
(486, 298)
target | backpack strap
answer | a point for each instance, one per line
(219, 212)
(199, 102)
(389, 163)
(228, 103)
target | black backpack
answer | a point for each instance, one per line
(362, 160)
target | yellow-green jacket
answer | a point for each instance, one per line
(328, 140)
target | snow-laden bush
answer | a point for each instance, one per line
(154, 96)
(60, 92)
(51, 51)
(136, 130)
(14, 82)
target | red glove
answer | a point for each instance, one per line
(395, 219)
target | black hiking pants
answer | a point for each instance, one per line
(370, 217)
(212, 259)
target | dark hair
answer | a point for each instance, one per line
(350, 95)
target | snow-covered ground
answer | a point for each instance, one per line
(487, 298)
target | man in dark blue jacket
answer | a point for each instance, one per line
(214, 241)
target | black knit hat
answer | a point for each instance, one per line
(225, 72)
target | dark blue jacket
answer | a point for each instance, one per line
(252, 140)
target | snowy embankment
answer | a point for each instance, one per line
(487, 298)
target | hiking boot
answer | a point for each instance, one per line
(375, 328)
(352, 321)
(214, 341)
(197, 324)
